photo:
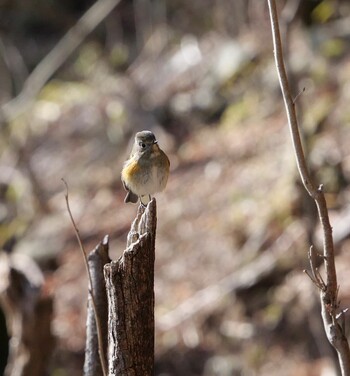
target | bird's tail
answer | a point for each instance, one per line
(131, 197)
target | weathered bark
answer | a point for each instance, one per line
(96, 260)
(28, 315)
(130, 292)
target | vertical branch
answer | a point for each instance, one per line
(332, 320)
(130, 291)
(91, 291)
(289, 101)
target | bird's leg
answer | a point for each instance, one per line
(141, 202)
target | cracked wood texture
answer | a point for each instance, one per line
(130, 292)
(96, 260)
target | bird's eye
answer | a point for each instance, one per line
(143, 145)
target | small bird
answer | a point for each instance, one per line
(147, 169)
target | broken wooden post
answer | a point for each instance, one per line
(130, 293)
(96, 260)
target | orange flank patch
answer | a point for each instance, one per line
(129, 171)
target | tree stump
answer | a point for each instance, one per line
(96, 260)
(130, 293)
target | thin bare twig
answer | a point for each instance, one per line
(91, 292)
(316, 277)
(298, 95)
(328, 289)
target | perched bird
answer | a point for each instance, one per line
(147, 169)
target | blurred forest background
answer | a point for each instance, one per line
(234, 224)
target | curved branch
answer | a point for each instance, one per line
(329, 291)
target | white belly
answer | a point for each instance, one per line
(153, 182)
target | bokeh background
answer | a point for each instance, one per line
(234, 224)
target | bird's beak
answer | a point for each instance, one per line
(155, 142)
